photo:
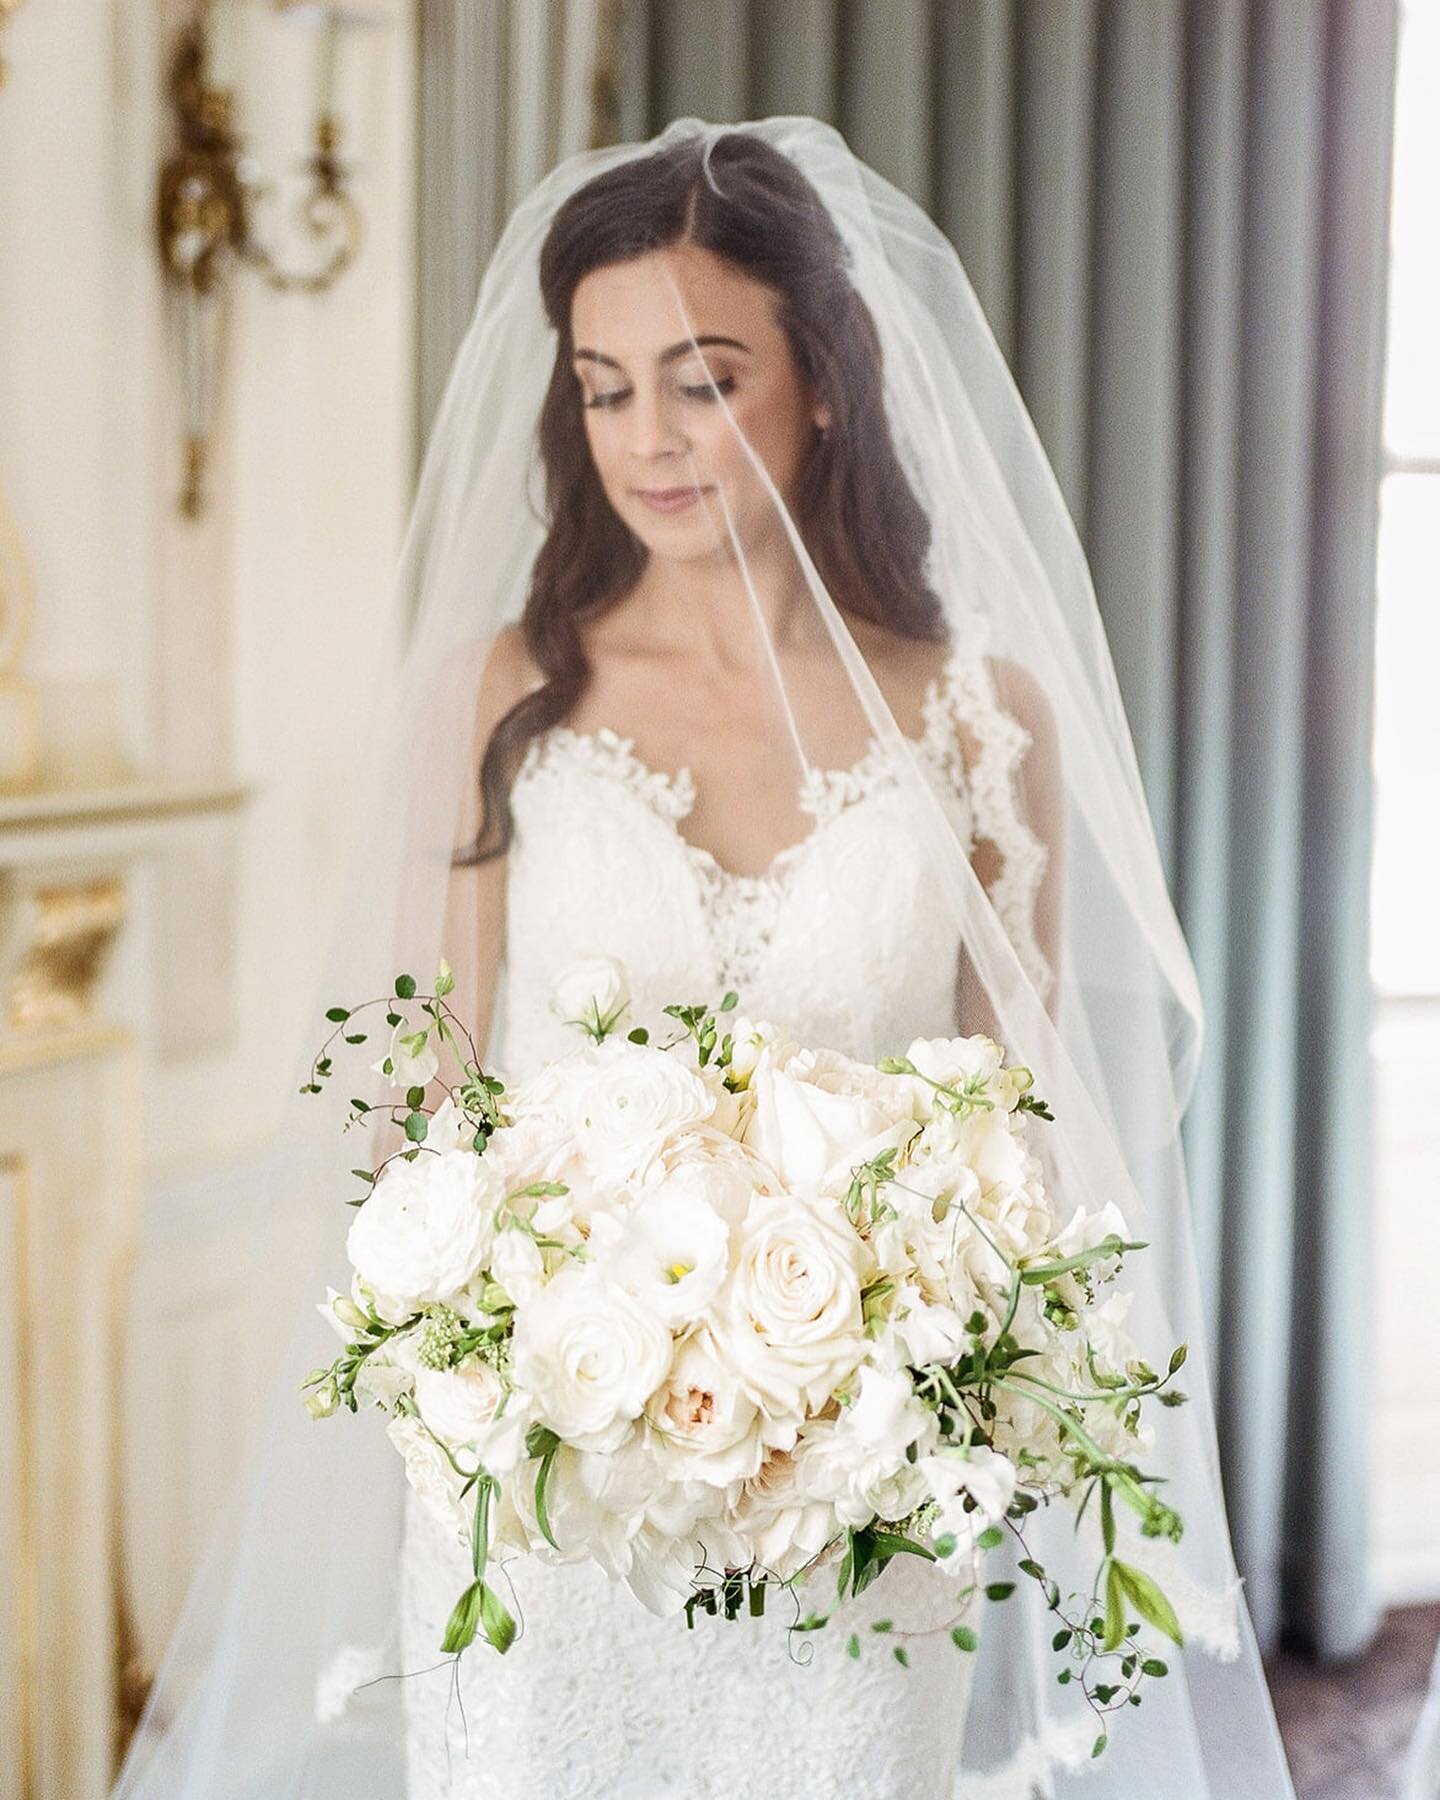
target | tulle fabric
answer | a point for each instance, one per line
(284, 1676)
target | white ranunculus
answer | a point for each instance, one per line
(412, 1058)
(817, 1114)
(590, 1354)
(983, 1475)
(464, 1406)
(428, 1471)
(426, 1227)
(673, 1252)
(631, 1101)
(789, 1316)
(708, 1428)
(592, 991)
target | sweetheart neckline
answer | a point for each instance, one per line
(671, 794)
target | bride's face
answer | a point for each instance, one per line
(658, 433)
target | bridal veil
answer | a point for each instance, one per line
(926, 504)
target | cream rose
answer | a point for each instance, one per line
(426, 1227)
(707, 1426)
(590, 1354)
(789, 1316)
(817, 1114)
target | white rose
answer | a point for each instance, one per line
(789, 1316)
(428, 1471)
(592, 991)
(463, 1406)
(673, 1252)
(708, 1428)
(818, 1114)
(591, 1356)
(412, 1059)
(426, 1226)
(778, 1515)
(633, 1100)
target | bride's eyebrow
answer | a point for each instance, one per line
(666, 356)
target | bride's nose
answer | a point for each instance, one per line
(655, 425)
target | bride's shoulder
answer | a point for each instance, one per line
(509, 673)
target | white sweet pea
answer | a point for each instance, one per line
(426, 1227)
(590, 1354)
(468, 1407)
(1105, 1332)
(983, 1475)
(927, 1333)
(672, 1252)
(789, 1316)
(518, 1265)
(411, 1056)
(1084, 1231)
(449, 1128)
(861, 1460)
(593, 992)
(955, 1062)
(429, 1472)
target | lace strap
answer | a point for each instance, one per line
(964, 698)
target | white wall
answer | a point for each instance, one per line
(230, 648)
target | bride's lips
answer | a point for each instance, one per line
(669, 500)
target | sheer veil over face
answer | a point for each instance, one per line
(732, 503)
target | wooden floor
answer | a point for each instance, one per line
(1346, 1730)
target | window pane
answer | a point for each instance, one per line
(1405, 957)
(1412, 404)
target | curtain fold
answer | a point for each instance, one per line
(1175, 217)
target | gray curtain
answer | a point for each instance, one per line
(1175, 217)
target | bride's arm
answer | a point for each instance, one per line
(1019, 853)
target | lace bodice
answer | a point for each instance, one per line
(836, 939)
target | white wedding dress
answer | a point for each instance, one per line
(597, 1697)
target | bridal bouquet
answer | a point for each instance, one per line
(723, 1311)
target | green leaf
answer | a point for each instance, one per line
(999, 1590)
(415, 1096)
(894, 1543)
(464, 1619)
(852, 1647)
(405, 987)
(639, 1035)
(991, 1538)
(901, 1655)
(1114, 1623)
(1177, 1356)
(964, 1638)
(1107, 1516)
(730, 1002)
(499, 1626)
(542, 1476)
(1100, 1744)
(1152, 1665)
(416, 1125)
(1061, 1639)
(337, 1015)
(1149, 1600)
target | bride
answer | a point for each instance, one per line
(754, 651)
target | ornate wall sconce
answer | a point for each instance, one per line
(211, 197)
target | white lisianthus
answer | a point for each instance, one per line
(789, 1317)
(412, 1058)
(590, 1354)
(428, 1470)
(817, 1114)
(673, 1252)
(426, 1227)
(468, 1407)
(748, 1038)
(630, 1102)
(708, 1428)
(593, 991)
(982, 1475)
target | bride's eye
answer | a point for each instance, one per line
(612, 398)
(709, 390)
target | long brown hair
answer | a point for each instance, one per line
(859, 518)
